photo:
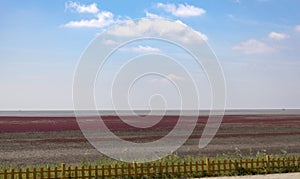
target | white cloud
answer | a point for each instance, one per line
(141, 48)
(174, 77)
(91, 8)
(182, 10)
(110, 42)
(103, 19)
(158, 27)
(151, 15)
(297, 28)
(253, 46)
(278, 36)
(167, 78)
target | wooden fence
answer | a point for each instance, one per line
(202, 168)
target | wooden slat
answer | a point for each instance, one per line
(82, 172)
(102, 171)
(122, 171)
(109, 171)
(34, 173)
(207, 165)
(20, 174)
(224, 165)
(55, 172)
(27, 173)
(135, 170)
(90, 172)
(129, 170)
(76, 172)
(69, 172)
(5, 174)
(42, 173)
(116, 170)
(96, 171)
(63, 170)
(173, 168)
(48, 172)
(167, 168)
(12, 173)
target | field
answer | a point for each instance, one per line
(30, 140)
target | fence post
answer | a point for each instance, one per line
(90, 172)
(129, 170)
(207, 165)
(116, 170)
(167, 168)
(135, 170)
(96, 171)
(184, 167)
(48, 172)
(5, 174)
(293, 161)
(172, 168)
(224, 166)
(20, 173)
(34, 173)
(63, 170)
(109, 171)
(82, 172)
(178, 167)
(76, 172)
(160, 168)
(12, 173)
(102, 171)
(122, 171)
(27, 173)
(268, 163)
(55, 172)
(69, 172)
(236, 166)
(42, 173)
(148, 169)
(142, 170)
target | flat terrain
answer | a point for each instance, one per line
(42, 140)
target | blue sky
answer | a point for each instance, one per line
(256, 41)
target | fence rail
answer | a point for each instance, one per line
(205, 167)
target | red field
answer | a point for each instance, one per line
(55, 139)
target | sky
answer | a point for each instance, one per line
(257, 43)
